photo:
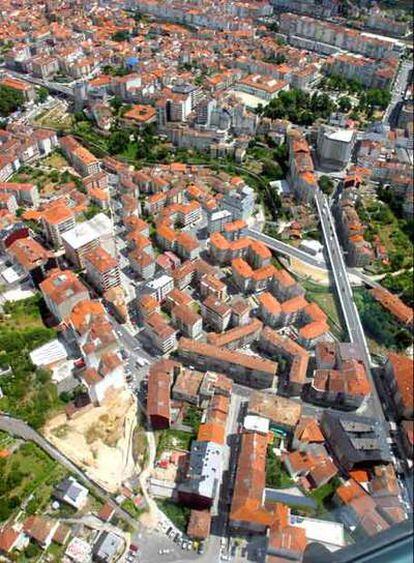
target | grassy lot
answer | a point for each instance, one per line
(22, 314)
(28, 471)
(327, 302)
(140, 446)
(178, 514)
(56, 118)
(173, 439)
(56, 161)
(192, 417)
(276, 475)
(6, 441)
(130, 507)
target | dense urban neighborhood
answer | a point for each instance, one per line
(206, 279)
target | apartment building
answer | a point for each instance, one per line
(88, 235)
(394, 305)
(202, 481)
(238, 336)
(262, 87)
(25, 194)
(158, 394)
(26, 89)
(142, 263)
(187, 321)
(297, 357)
(81, 159)
(242, 368)
(240, 203)
(160, 287)
(106, 379)
(335, 146)
(62, 290)
(216, 313)
(270, 310)
(302, 174)
(102, 269)
(210, 285)
(56, 220)
(399, 376)
(217, 220)
(240, 312)
(163, 336)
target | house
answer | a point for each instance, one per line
(72, 492)
(107, 547)
(108, 376)
(199, 524)
(40, 529)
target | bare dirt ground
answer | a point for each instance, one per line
(315, 274)
(99, 440)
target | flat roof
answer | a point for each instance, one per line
(85, 232)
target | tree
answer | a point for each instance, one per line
(42, 94)
(272, 170)
(120, 36)
(344, 104)
(116, 103)
(326, 184)
(118, 141)
(10, 100)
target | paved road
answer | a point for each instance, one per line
(397, 94)
(49, 84)
(292, 252)
(19, 428)
(287, 249)
(356, 332)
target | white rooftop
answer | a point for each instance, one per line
(159, 282)
(79, 551)
(220, 214)
(256, 423)
(86, 232)
(49, 353)
(331, 534)
(342, 135)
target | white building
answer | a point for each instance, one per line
(334, 146)
(86, 236)
(160, 287)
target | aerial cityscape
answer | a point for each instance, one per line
(206, 280)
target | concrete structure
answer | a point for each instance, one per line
(334, 146)
(88, 235)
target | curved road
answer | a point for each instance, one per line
(18, 428)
